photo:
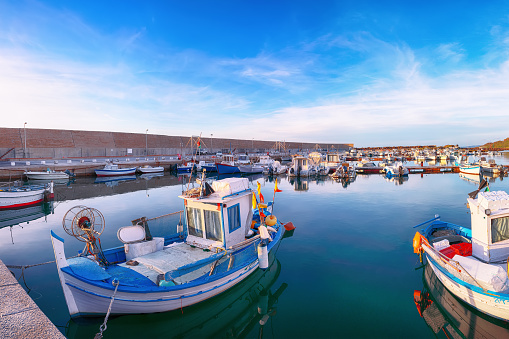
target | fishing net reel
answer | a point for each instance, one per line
(86, 224)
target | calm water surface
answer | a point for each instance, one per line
(348, 271)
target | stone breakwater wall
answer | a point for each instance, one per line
(20, 143)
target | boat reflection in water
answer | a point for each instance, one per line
(299, 184)
(114, 180)
(396, 180)
(473, 178)
(234, 313)
(18, 216)
(443, 312)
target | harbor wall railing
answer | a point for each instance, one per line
(26, 143)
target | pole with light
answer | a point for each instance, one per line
(25, 148)
(146, 142)
(211, 150)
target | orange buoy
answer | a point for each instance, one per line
(289, 226)
(417, 242)
(270, 220)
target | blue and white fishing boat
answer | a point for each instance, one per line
(186, 167)
(472, 262)
(207, 166)
(111, 169)
(215, 250)
(396, 170)
(228, 165)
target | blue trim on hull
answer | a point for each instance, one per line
(227, 169)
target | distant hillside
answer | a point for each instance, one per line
(498, 144)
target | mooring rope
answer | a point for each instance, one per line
(103, 327)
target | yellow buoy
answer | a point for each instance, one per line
(270, 220)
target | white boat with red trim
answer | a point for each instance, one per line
(21, 196)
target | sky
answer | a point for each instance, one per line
(371, 73)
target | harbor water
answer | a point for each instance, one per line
(347, 271)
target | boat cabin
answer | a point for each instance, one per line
(228, 159)
(490, 226)
(244, 159)
(221, 219)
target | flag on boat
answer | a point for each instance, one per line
(255, 204)
(275, 188)
(260, 192)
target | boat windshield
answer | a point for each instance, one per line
(499, 229)
(204, 224)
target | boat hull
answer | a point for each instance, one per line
(250, 169)
(144, 170)
(113, 173)
(46, 175)
(22, 198)
(87, 298)
(227, 169)
(369, 170)
(491, 303)
(470, 169)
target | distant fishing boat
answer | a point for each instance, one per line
(111, 169)
(207, 166)
(21, 196)
(368, 167)
(227, 165)
(149, 169)
(186, 167)
(472, 262)
(49, 174)
(396, 170)
(215, 250)
(470, 169)
(300, 167)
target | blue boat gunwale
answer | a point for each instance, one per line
(107, 285)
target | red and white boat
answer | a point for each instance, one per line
(20, 196)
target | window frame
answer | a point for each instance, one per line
(230, 230)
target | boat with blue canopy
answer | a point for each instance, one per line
(225, 237)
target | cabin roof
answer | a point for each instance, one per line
(224, 190)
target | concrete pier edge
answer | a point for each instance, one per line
(20, 317)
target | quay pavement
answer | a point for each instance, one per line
(20, 317)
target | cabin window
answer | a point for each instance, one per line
(499, 229)
(233, 217)
(194, 222)
(212, 225)
(204, 224)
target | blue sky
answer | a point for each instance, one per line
(372, 73)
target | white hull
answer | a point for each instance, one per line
(111, 173)
(21, 198)
(492, 303)
(250, 169)
(87, 299)
(46, 175)
(150, 169)
(470, 169)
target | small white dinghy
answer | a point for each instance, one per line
(149, 169)
(49, 174)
